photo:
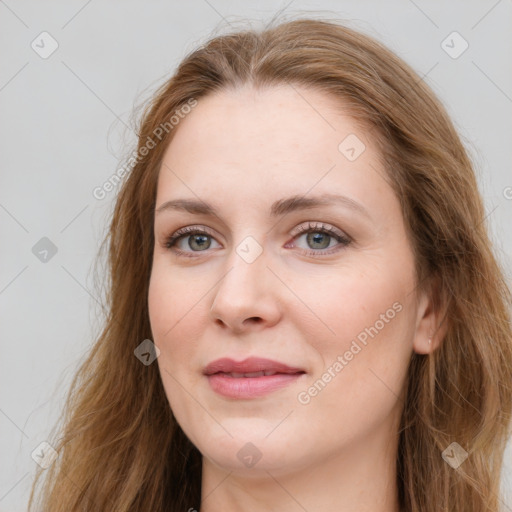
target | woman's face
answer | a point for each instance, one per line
(324, 284)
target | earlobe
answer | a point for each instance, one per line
(422, 345)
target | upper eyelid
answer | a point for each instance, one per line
(320, 226)
(305, 226)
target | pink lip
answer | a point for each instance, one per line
(249, 387)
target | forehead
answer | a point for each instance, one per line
(266, 123)
(251, 144)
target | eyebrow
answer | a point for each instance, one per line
(278, 208)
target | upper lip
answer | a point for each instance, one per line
(249, 365)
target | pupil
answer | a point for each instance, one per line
(315, 238)
(202, 241)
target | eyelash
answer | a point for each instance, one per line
(313, 227)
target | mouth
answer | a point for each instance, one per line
(250, 367)
(249, 375)
(251, 378)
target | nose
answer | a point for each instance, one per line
(246, 298)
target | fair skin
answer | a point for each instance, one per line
(302, 301)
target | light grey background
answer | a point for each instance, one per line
(63, 133)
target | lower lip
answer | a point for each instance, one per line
(250, 387)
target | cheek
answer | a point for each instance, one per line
(363, 357)
(348, 303)
(176, 304)
(175, 312)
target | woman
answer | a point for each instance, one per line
(305, 310)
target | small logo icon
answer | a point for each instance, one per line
(44, 45)
(44, 455)
(147, 352)
(249, 249)
(351, 147)
(454, 455)
(249, 455)
(44, 250)
(454, 45)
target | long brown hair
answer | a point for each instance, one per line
(120, 447)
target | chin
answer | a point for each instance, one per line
(251, 450)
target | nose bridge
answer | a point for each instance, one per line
(244, 290)
(246, 267)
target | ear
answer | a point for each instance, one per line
(431, 322)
